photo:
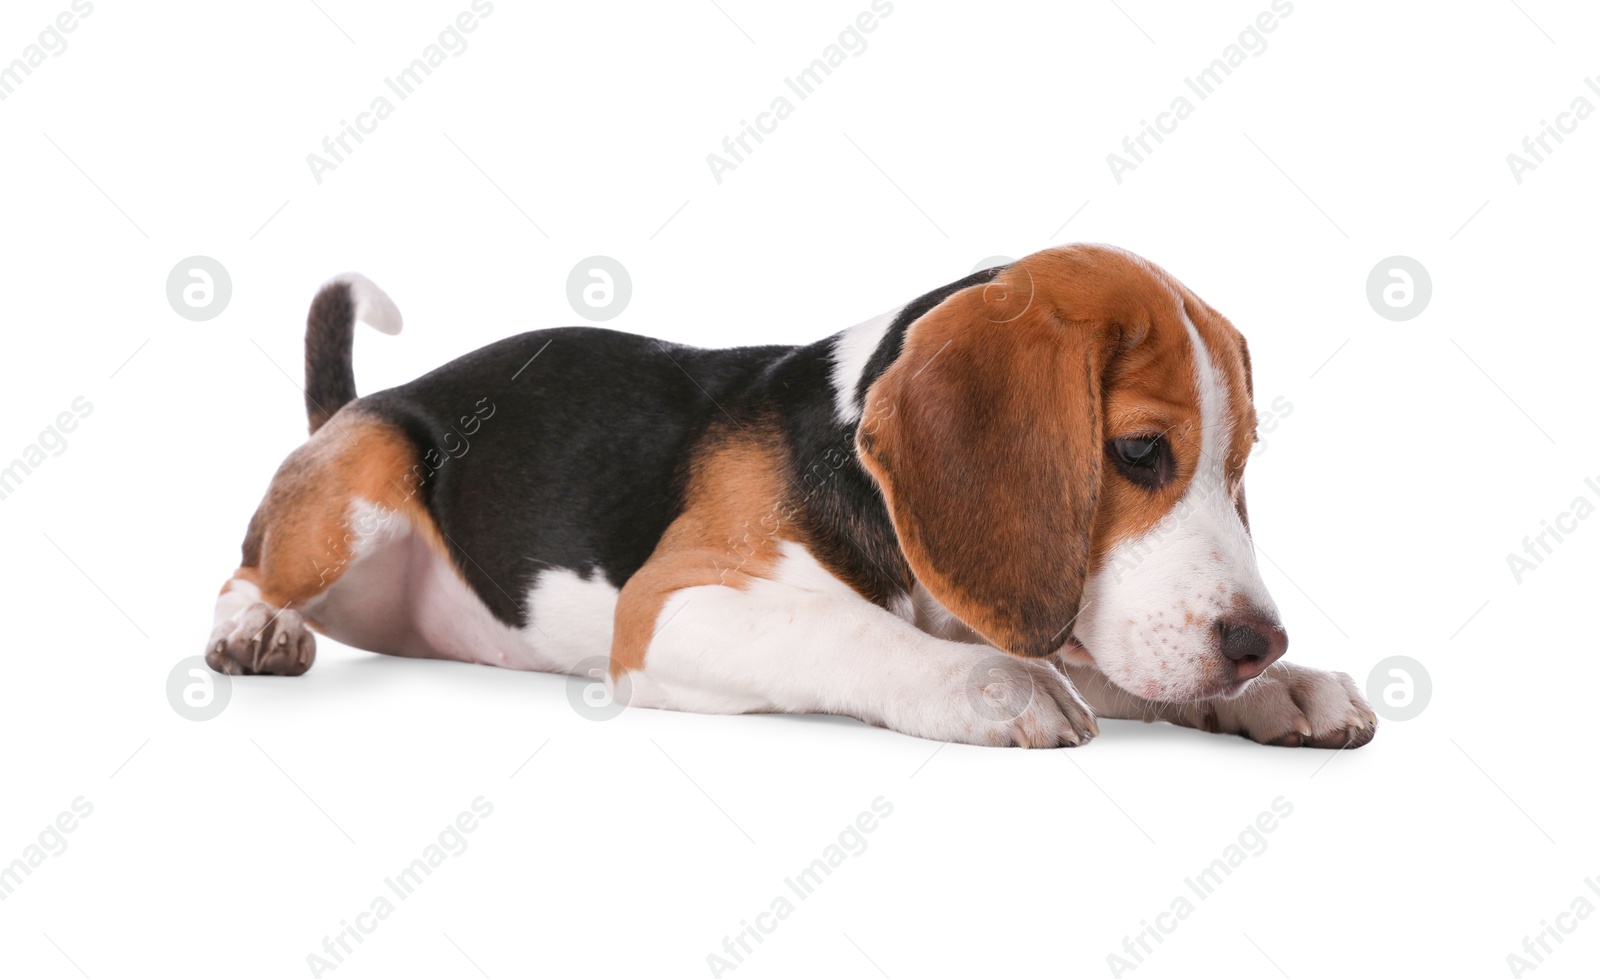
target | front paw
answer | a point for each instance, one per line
(1296, 706)
(1010, 702)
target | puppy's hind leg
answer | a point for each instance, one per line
(303, 538)
(299, 540)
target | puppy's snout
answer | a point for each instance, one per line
(1251, 645)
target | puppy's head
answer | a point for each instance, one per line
(1062, 453)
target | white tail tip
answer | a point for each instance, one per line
(373, 305)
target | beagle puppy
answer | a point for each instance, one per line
(991, 516)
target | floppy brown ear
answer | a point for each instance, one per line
(985, 438)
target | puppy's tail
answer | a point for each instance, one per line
(330, 335)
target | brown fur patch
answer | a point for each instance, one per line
(736, 511)
(300, 539)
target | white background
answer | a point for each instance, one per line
(1412, 463)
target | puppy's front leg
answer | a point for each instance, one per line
(1289, 705)
(777, 647)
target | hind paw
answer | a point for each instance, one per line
(261, 639)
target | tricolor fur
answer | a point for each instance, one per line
(990, 516)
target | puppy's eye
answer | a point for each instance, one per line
(1145, 460)
(1138, 452)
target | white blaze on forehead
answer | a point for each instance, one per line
(852, 349)
(1216, 428)
(1208, 501)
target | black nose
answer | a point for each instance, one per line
(1252, 644)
